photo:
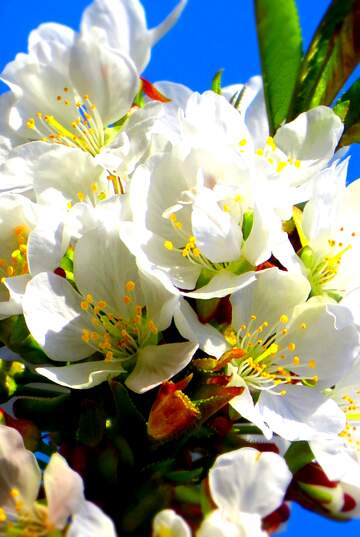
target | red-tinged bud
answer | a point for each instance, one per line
(171, 413)
(212, 364)
(27, 429)
(221, 425)
(265, 265)
(153, 93)
(320, 494)
(271, 523)
(60, 272)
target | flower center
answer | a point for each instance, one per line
(16, 264)
(323, 270)
(22, 522)
(263, 358)
(83, 127)
(115, 336)
(187, 246)
(272, 155)
(349, 403)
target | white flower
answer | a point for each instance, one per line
(168, 523)
(107, 316)
(285, 350)
(66, 509)
(198, 218)
(330, 233)
(121, 25)
(68, 89)
(246, 485)
(31, 242)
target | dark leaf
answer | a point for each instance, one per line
(280, 43)
(348, 109)
(333, 54)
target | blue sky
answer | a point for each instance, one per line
(209, 36)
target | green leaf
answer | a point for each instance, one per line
(15, 335)
(280, 44)
(216, 82)
(128, 421)
(333, 54)
(348, 109)
(49, 414)
(91, 423)
(298, 455)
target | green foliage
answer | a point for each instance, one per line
(15, 335)
(298, 455)
(216, 82)
(348, 109)
(333, 54)
(280, 43)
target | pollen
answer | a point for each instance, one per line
(312, 364)
(3, 516)
(109, 356)
(284, 319)
(86, 335)
(243, 142)
(296, 360)
(168, 245)
(152, 327)
(259, 152)
(270, 141)
(303, 326)
(30, 123)
(281, 166)
(130, 286)
(291, 346)
(84, 305)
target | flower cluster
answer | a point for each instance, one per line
(150, 233)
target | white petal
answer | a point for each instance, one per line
(168, 523)
(313, 135)
(90, 521)
(112, 265)
(156, 363)
(217, 235)
(302, 414)
(55, 319)
(18, 469)
(46, 246)
(217, 525)
(263, 490)
(222, 284)
(157, 33)
(160, 297)
(64, 490)
(108, 77)
(259, 297)
(329, 339)
(82, 376)
(245, 406)
(16, 287)
(60, 173)
(122, 26)
(178, 93)
(45, 35)
(209, 339)
(335, 459)
(150, 252)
